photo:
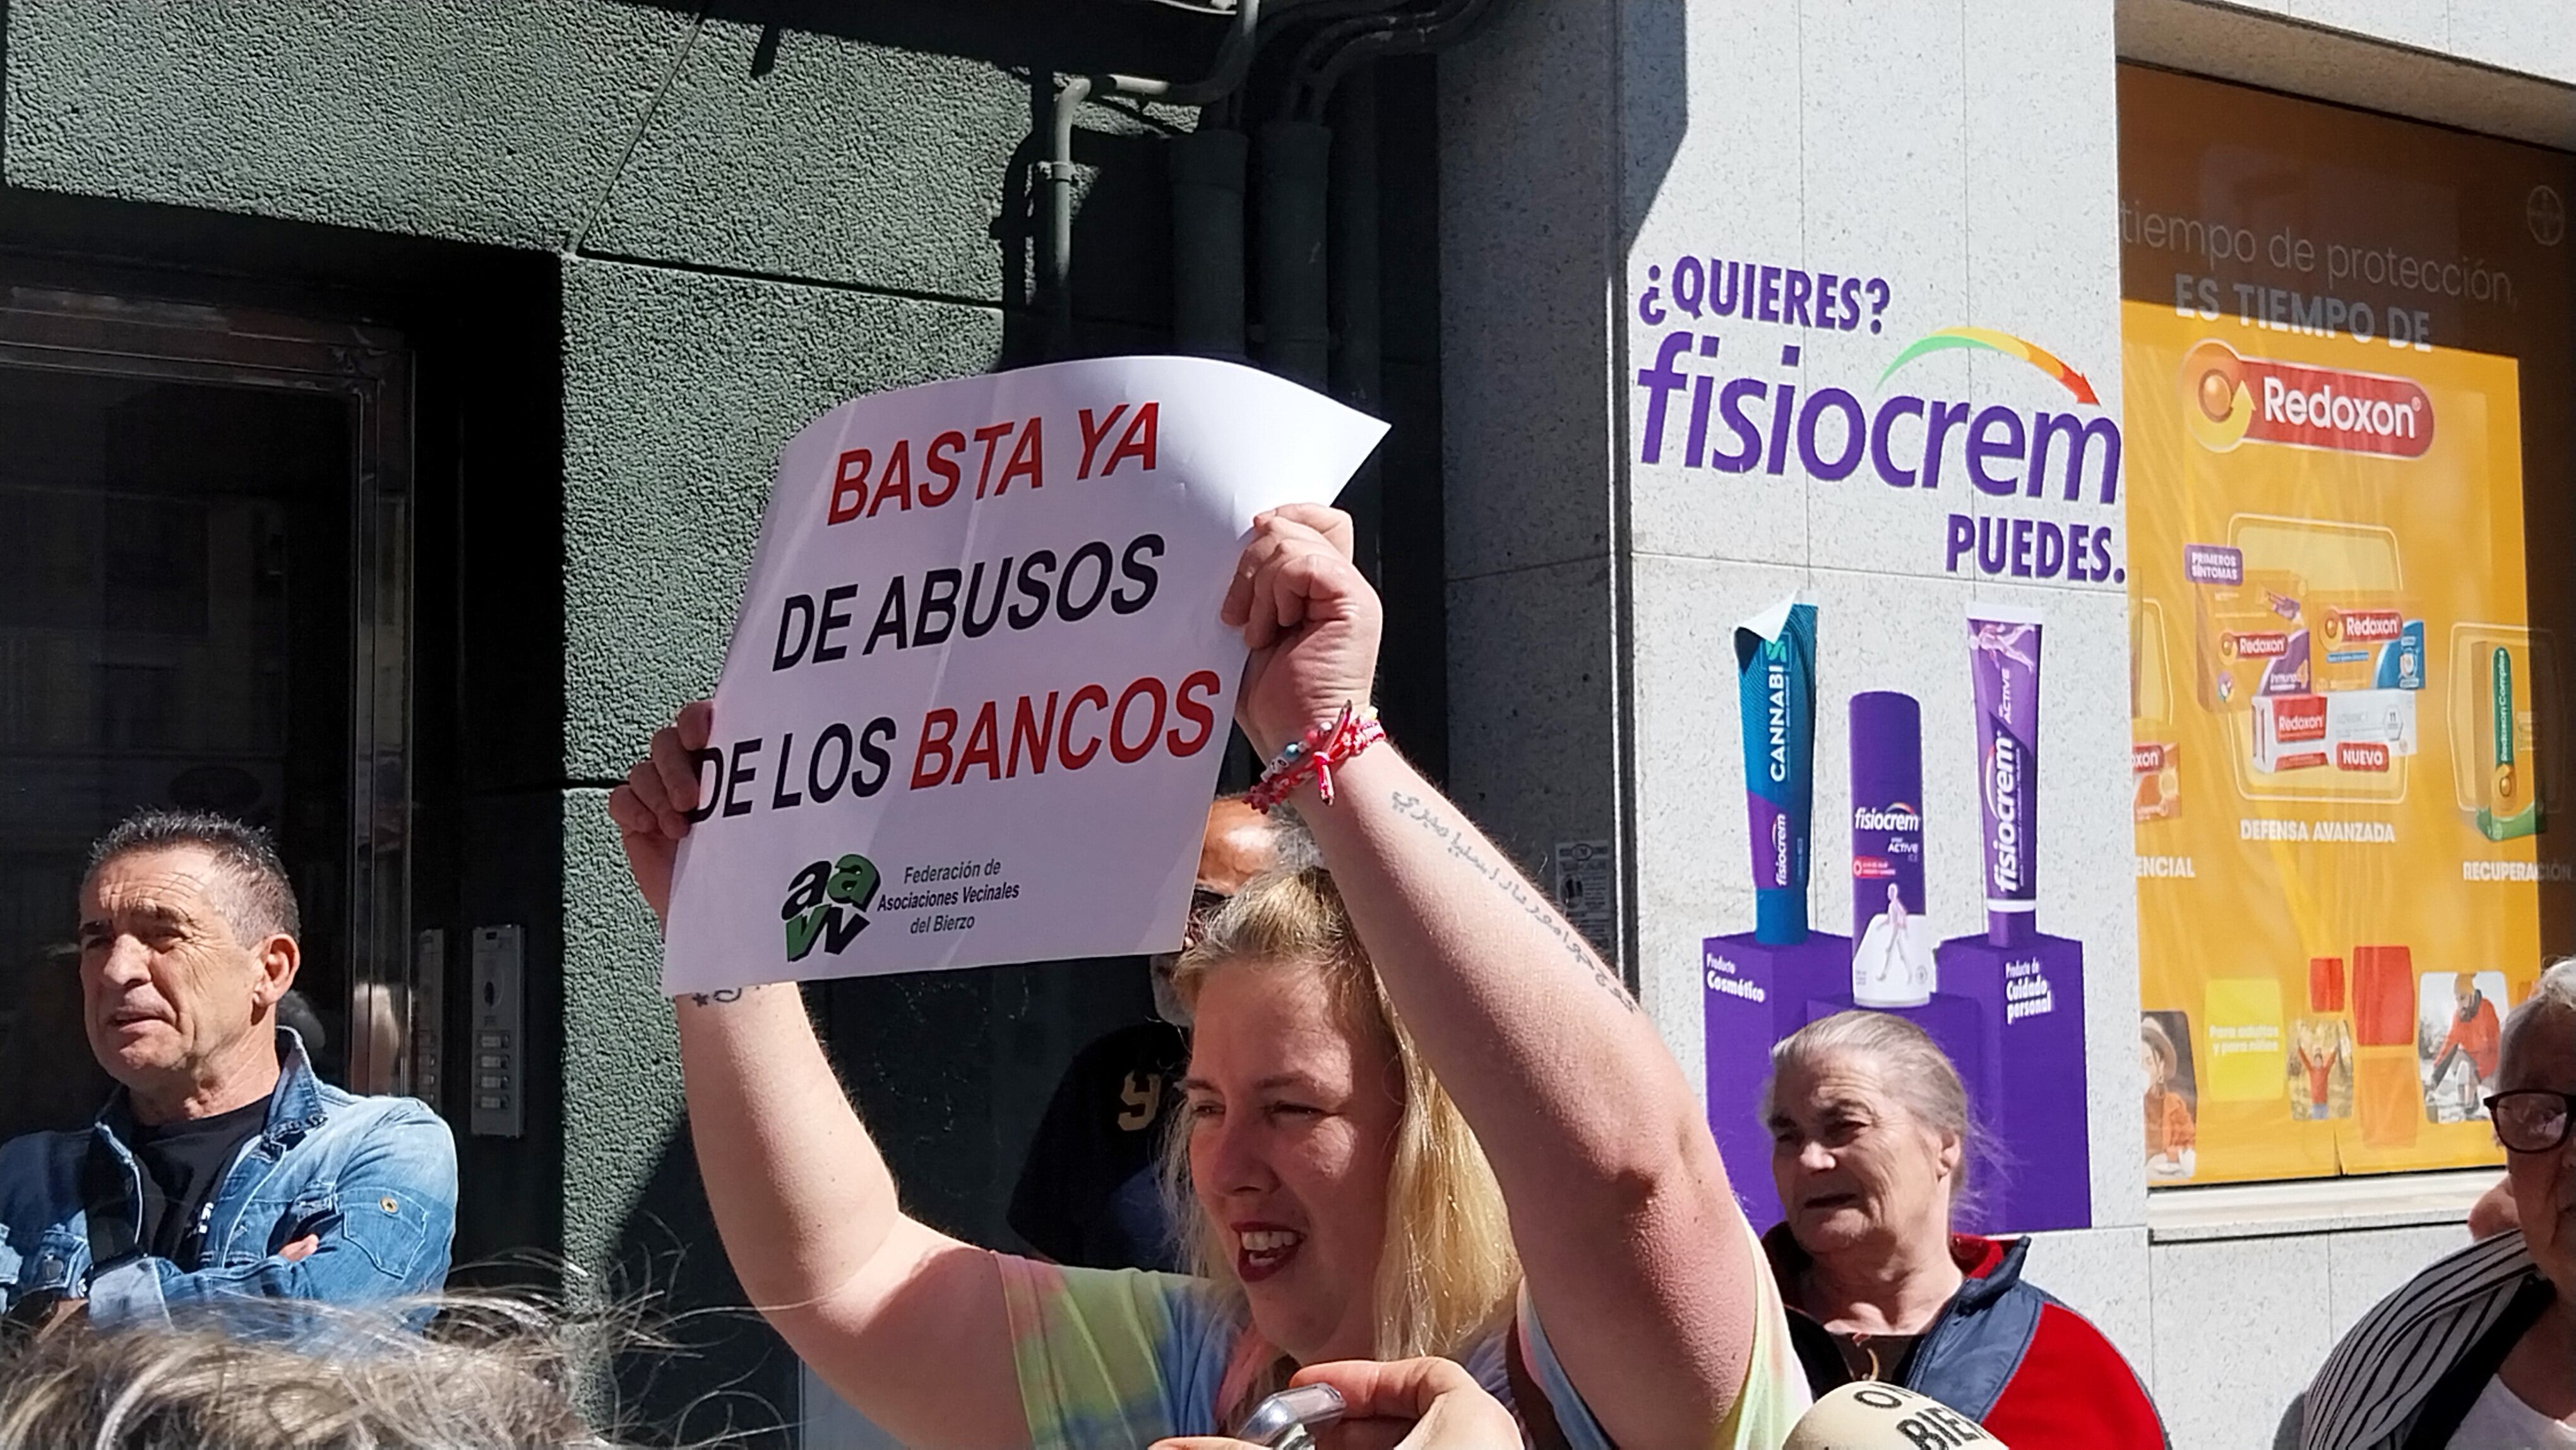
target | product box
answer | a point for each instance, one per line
(2363, 639)
(1753, 994)
(2290, 732)
(2500, 675)
(2388, 1096)
(2383, 996)
(2366, 727)
(2155, 767)
(2325, 984)
(2020, 1065)
(2254, 639)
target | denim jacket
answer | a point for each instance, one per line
(374, 1178)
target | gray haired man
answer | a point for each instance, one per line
(221, 1170)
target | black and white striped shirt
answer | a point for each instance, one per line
(2374, 1388)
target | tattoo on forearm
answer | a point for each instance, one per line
(721, 994)
(1462, 845)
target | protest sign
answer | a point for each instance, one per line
(978, 691)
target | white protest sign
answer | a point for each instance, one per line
(978, 691)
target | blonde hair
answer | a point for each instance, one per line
(1447, 1272)
(305, 1376)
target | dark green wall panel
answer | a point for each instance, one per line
(825, 158)
(497, 121)
(679, 389)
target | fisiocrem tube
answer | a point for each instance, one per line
(1893, 956)
(2003, 664)
(1775, 664)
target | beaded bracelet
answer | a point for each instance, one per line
(1322, 748)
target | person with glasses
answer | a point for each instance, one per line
(1089, 1192)
(2478, 1350)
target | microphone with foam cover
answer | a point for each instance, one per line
(1873, 1416)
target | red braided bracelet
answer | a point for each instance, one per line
(1322, 748)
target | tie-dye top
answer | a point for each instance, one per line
(1125, 1357)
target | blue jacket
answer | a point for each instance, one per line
(2003, 1352)
(374, 1178)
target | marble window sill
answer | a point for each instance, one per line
(2316, 1206)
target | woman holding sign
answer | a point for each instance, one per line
(1581, 1253)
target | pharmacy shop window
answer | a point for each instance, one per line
(2347, 375)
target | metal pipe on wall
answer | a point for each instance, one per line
(1338, 49)
(1233, 62)
(1352, 272)
(1305, 216)
(1207, 241)
(1292, 169)
(1060, 178)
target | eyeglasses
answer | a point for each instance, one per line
(2532, 1120)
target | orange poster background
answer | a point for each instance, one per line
(2251, 879)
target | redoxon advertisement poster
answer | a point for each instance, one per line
(978, 690)
(2345, 351)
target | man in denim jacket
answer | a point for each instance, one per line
(221, 1168)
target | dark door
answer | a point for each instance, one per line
(204, 583)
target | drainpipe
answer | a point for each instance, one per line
(1293, 172)
(1352, 201)
(1353, 297)
(1059, 178)
(1332, 53)
(1233, 60)
(1207, 242)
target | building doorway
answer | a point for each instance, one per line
(205, 545)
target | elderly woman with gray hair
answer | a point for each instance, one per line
(1870, 1142)
(2477, 1350)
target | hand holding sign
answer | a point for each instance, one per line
(1309, 619)
(968, 711)
(653, 808)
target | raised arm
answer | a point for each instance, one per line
(1637, 1256)
(905, 1323)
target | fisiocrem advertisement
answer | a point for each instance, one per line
(1840, 398)
(2004, 1001)
(2345, 369)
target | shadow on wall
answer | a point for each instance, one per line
(1078, 36)
(1655, 88)
(1122, 223)
(720, 1375)
(952, 1072)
